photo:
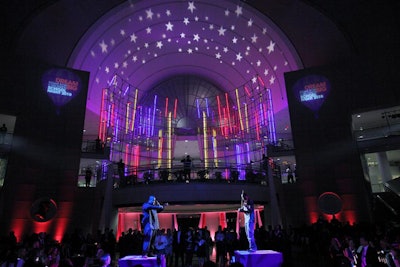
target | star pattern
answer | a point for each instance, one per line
(206, 32)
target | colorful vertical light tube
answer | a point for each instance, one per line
(215, 147)
(207, 108)
(134, 110)
(265, 114)
(141, 131)
(128, 109)
(205, 140)
(166, 107)
(260, 81)
(154, 115)
(228, 111)
(239, 110)
(225, 120)
(149, 122)
(136, 158)
(126, 158)
(160, 148)
(261, 110)
(103, 116)
(271, 116)
(169, 141)
(109, 111)
(238, 154)
(246, 118)
(113, 116)
(175, 107)
(126, 90)
(246, 89)
(116, 130)
(257, 127)
(198, 108)
(221, 125)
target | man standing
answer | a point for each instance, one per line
(187, 165)
(150, 224)
(3, 133)
(249, 220)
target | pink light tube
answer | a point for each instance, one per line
(166, 107)
(175, 107)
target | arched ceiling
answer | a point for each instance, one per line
(227, 43)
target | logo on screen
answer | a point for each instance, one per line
(61, 85)
(311, 91)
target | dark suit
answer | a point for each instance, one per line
(178, 246)
(371, 257)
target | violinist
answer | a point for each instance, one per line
(249, 221)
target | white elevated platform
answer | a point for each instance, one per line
(132, 260)
(264, 258)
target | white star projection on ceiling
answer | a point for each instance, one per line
(144, 42)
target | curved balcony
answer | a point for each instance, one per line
(190, 193)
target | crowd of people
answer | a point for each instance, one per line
(324, 243)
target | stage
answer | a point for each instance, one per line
(132, 260)
(264, 258)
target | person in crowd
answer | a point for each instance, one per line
(189, 247)
(150, 223)
(169, 249)
(105, 260)
(367, 253)
(3, 133)
(88, 176)
(231, 242)
(200, 247)
(350, 252)
(121, 170)
(179, 246)
(290, 177)
(249, 220)
(220, 246)
(209, 242)
(160, 244)
(393, 257)
(187, 166)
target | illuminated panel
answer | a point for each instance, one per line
(198, 108)
(169, 141)
(160, 147)
(126, 155)
(166, 107)
(128, 105)
(247, 90)
(271, 118)
(134, 110)
(221, 125)
(228, 112)
(215, 147)
(246, 117)
(205, 146)
(207, 108)
(175, 107)
(154, 115)
(103, 116)
(239, 110)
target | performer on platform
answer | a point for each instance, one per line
(150, 224)
(249, 221)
